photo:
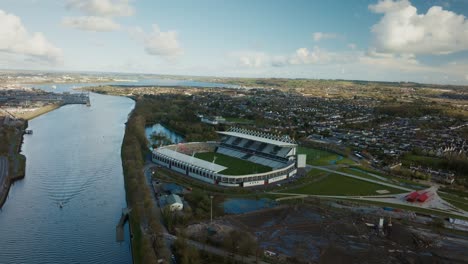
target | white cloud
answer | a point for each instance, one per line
(302, 56)
(406, 62)
(318, 36)
(403, 30)
(251, 59)
(157, 42)
(466, 77)
(108, 8)
(14, 38)
(352, 46)
(305, 56)
(91, 23)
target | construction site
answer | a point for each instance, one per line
(334, 232)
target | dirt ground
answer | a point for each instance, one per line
(321, 234)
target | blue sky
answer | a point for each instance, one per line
(386, 40)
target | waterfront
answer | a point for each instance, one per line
(73, 159)
(67, 87)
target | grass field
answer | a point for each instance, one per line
(234, 166)
(335, 184)
(455, 200)
(362, 172)
(319, 157)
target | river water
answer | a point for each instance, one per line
(73, 159)
(66, 87)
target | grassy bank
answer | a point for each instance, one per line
(11, 138)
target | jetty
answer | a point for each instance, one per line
(120, 226)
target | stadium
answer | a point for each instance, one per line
(242, 158)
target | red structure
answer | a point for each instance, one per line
(419, 196)
(412, 196)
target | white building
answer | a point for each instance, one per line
(278, 153)
(174, 202)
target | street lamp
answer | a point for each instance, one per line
(211, 213)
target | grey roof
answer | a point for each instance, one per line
(260, 137)
(192, 160)
(173, 198)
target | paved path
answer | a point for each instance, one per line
(362, 178)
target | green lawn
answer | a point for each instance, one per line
(335, 184)
(363, 170)
(234, 166)
(319, 157)
(457, 201)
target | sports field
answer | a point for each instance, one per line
(234, 166)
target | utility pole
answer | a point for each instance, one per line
(211, 213)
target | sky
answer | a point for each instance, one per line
(383, 40)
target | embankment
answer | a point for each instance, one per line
(40, 111)
(147, 243)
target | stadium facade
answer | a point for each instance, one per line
(269, 150)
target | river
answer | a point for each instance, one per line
(66, 87)
(73, 158)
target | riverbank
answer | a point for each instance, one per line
(37, 112)
(147, 239)
(16, 161)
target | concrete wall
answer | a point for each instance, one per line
(254, 183)
(275, 179)
(301, 160)
(229, 184)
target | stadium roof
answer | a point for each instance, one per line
(192, 160)
(265, 138)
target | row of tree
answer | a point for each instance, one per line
(148, 244)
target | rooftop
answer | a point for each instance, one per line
(260, 136)
(174, 198)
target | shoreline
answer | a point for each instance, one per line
(20, 172)
(13, 176)
(40, 111)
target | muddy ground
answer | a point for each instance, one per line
(322, 234)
